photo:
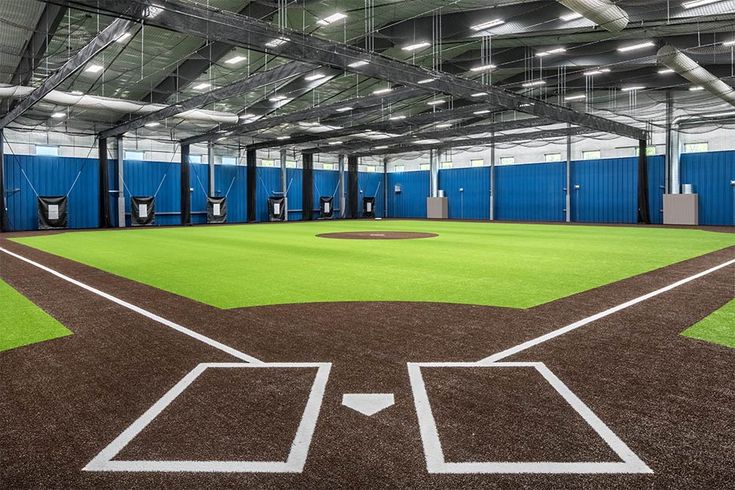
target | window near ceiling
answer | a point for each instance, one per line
(650, 151)
(477, 163)
(507, 160)
(591, 155)
(195, 159)
(446, 164)
(553, 157)
(696, 147)
(229, 161)
(424, 166)
(267, 163)
(290, 164)
(47, 151)
(135, 155)
(327, 166)
(399, 168)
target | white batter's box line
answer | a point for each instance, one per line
(297, 454)
(435, 462)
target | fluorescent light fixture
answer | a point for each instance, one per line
(201, 86)
(274, 43)
(630, 89)
(634, 47)
(429, 141)
(278, 98)
(152, 12)
(436, 102)
(283, 137)
(152, 124)
(729, 43)
(94, 68)
(332, 19)
(236, 59)
(444, 125)
(381, 147)
(344, 109)
(698, 3)
(414, 47)
(247, 116)
(123, 37)
(315, 76)
(382, 91)
(483, 68)
(397, 118)
(77, 92)
(357, 64)
(599, 71)
(335, 143)
(696, 88)
(550, 52)
(487, 25)
(571, 17)
(426, 80)
(534, 83)
(478, 94)
(58, 115)
(483, 111)
(575, 97)
(665, 71)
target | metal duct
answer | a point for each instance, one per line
(602, 12)
(118, 105)
(682, 64)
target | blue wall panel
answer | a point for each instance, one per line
(51, 176)
(159, 179)
(371, 185)
(199, 182)
(656, 181)
(474, 201)
(231, 182)
(533, 192)
(605, 191)
(269, 182)
(712, 175)
(293, 181)
(411, 201)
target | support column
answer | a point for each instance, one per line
(252, 184)
(104, 185)
(3, 200)
(284, 183)
(669, 142)
(568, 190)
(341, 186)
(120, 182)
(307, 187)
(210, 164)
(492, 177)
(643, 215)
(185, 186)
(353, 189)
(434, 170)
(385, 187)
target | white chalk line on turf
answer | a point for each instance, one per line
(137, 309)
(585, 321)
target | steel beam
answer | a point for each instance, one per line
(196, 20)
(36, 46)
(100, 42)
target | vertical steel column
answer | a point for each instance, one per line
(568, 192)
(643, 214)
(675, 181)
(252, 184)
(120, 182)
(341, 186)
(434, 169)
(104, 185)
(185, 186)
(385, 187)
(307, 187)
(353, 186)
(210, 164)
(669, 142)
(492, 177)
(3, 202)
(284, 183)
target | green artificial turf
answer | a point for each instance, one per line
(22, 322)
(718, 328)
(501, 264)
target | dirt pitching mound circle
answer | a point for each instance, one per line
(377, 235)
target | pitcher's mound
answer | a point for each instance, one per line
(378, 235)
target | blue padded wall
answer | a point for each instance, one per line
(51, 176)
(474, 201)
(411, 201)
(294, 183)
(371, 185)
(656, 188)
(231, 182)
(605, 191)
(159, 179)
(199, 183)
(712, 175)
(532, 192)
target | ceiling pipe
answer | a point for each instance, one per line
(602, 12)
(682, 64)
(58, 97)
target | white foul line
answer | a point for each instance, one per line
(137, 309)
(581, 323)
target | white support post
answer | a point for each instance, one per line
(568, 192)
(284, 183)
(120, 182)
(434, 156)
(210, 163)
(342, 200)
(492, 178)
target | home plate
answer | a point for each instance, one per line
(368, 403)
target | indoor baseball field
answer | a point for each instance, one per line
(347, 244)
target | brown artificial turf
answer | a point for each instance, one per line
(378, 235)
(669, 398)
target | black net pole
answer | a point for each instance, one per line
(252, 184)
(307, 189)
(643, 215)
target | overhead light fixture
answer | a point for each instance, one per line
(283, 137)
(236, 59)
(77, 92)
(152, 124)
(665, 71)
(599, 71)
(696, 88)
(332, 19)
(634, 47)
(429, 141)
(278, 98)
(571, 17)
(698, 3)
(483, 68)
(575, 97)
(483, 111)
(414, 47)
(729, 43)
(426, 80)
(58, 115)
(381, 147)
(344, 109)
(274, 43)
(335, 143)
(382, 91)
(315, 76)
(550, 52)
(487, 25)
(397, 118)
(94, 68)
(436, 102)
(630, 89)
(247, 116)
(478, 94)
(534, 83)
(202, 86)
(358, 64)
(152, 12)
(123, 37)
(444, 125)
